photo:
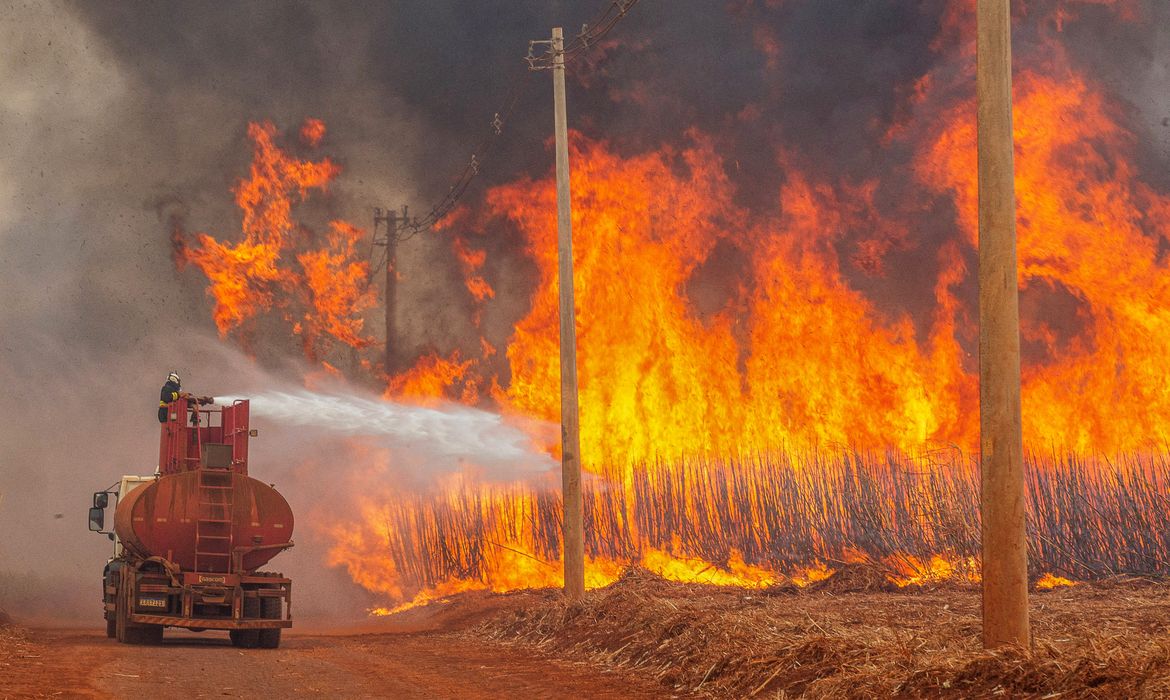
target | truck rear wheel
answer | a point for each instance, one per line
(270, 610)
(247, 639)
(111, 626)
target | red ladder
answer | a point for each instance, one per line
(213, 529)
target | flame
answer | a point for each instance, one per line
(312, 131)
(337, 288)
(471, 261)
(252, 276)
(434, 377)
(1081, 206)
(815, 573)
(603, 572)
(696, 570)
(670, 384)
(914, 571)
(797, 358)
(659, 381)
(1049, 581)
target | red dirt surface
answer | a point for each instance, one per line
(381, 660)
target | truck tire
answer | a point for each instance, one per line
(144, 634)
(110, 578)
(247, 639)
(127, 632)
(120, 610)
(270, 610)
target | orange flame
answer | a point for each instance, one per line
(1049, 581)
(471, 261)
(659, 381)
(435, 377)
(251, 276)
(1081, 210)
(337, 287)
(936, 570)
(312, 131)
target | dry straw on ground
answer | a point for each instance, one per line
(14, 644)
(1103, 640)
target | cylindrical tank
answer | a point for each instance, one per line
(179, 513)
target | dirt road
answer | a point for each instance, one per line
(84, 663)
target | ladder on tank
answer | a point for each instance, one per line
(213, 529)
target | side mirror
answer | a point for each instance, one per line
(97, 519)
(101, 499)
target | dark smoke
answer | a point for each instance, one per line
(115, 118)
(409, 88)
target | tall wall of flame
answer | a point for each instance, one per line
(774, 207)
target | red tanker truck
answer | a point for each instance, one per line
(189, 541)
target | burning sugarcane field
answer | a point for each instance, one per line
(628, 348)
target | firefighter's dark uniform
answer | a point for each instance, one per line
(170, 392)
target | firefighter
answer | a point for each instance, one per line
(171, 391)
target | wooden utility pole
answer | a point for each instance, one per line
(1005, 551)
(390, 219)
(573, 526)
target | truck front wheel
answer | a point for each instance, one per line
(110, 580)
(144, 634)
(120, 615)
(128, 632)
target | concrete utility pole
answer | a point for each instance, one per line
(391, 220)
(1005, 549)
(573, 526)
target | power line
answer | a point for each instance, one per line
(479, 156)
(409, 228)
(591, 34)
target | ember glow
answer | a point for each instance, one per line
(791, 424)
